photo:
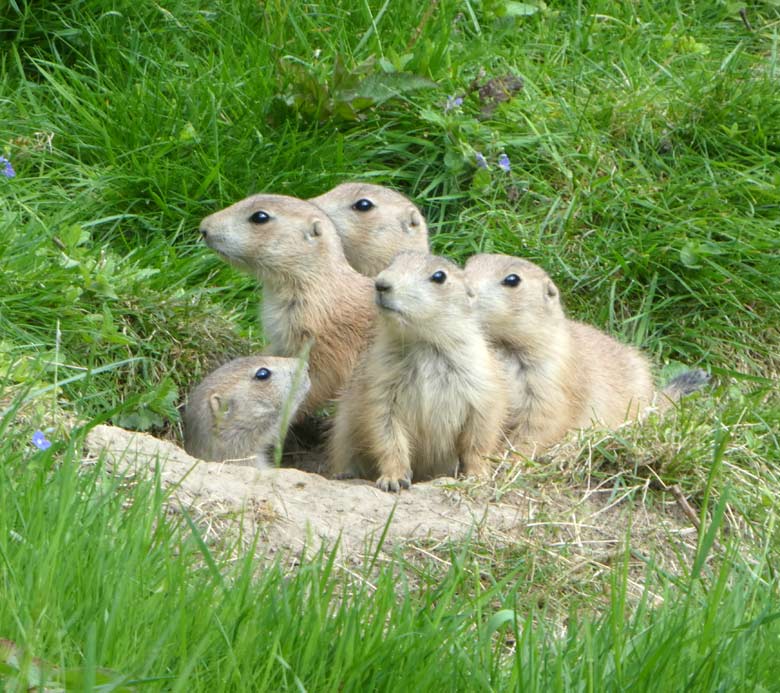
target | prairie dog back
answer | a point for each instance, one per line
(236, 413)
(374, 223)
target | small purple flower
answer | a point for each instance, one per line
(453, 102)
(481, 160)
(7, 169)
(503, 163)
(39, 441)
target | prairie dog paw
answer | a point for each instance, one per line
(475, 466)
(393, 484)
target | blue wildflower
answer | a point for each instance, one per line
(452, 103)
(481, 160)
(7, 170)
(39, 441)
(503, 163)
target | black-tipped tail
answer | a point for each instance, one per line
(686, 383)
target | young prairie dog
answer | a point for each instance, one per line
(311, 295)
(561, 374)
(237, 413)
(374, 223)
(427, 398)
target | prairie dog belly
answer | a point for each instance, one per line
(432, 405)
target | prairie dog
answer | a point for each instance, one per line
(310, 293)
(561, 374)
(236, 413)
(374, 223)
(427, 397)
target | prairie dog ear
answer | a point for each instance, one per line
(412, 221)
(313, 231)
(550, 292)
(215, 402)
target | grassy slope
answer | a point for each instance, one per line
(644, 147)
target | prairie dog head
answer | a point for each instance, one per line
(516, 301)
(237, 411)
(374, 223)
(422, 295)
(274, 237)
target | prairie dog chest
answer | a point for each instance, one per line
(283, 321)
(432, 392)
(527, 383)
(519, 387)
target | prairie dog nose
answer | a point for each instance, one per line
(382, 285)
(203, 232)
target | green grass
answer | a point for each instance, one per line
(644, 147)
(96, 574)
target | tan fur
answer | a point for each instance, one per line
(233, 416)
(372, 238)
(427, 398)
(310, 293)
(562, 374)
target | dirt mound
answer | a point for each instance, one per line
(294, 509)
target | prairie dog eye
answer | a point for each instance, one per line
(439, 277)
(262, 374)
(260, 217)
(363, 205)
(511, 280)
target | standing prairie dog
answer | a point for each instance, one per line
(310, 293)
(427, 397)
(237, 413)
(561, 374)
(374, 223)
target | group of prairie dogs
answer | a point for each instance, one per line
(433, 368)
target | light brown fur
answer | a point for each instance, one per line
(373, 237)
(562, 374)
(310, 292)
(236, 413)
(427, 397)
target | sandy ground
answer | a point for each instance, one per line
(294, 509)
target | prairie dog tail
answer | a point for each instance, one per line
(680, 386)
(686, 383)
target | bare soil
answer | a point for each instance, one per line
(296, 510)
